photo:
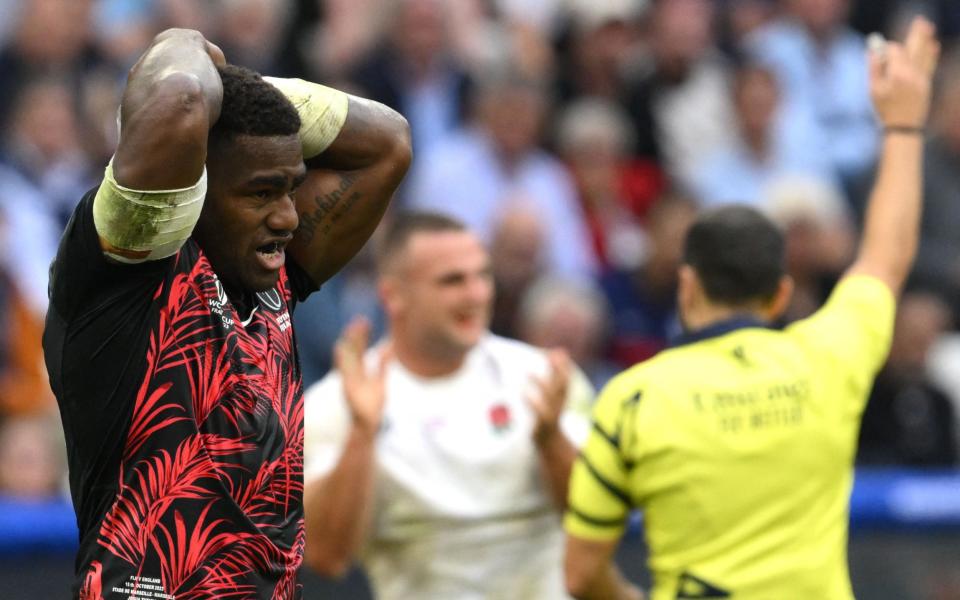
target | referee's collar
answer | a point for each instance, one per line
(720, 328)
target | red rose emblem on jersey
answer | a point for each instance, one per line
(500, 417)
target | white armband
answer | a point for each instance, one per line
(322, 110)
(151, 225)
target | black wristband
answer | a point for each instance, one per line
(904, 129)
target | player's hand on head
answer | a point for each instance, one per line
(550, 395)
(901, 76)
(177, 35)
(216, 54)
(364, 388)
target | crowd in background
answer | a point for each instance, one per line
(579, 138)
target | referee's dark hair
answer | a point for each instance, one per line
(251, 106)
(738, 254)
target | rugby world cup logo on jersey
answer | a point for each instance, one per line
(270, 300)
(217, 305)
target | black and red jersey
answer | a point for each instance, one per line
(183, 424)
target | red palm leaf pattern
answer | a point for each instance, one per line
(155, 485)
(247, 553)
(183, 553)
(211, 481)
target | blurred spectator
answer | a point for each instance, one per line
(819, 237)
(123, 28)
(347, 31)
(772, 143)
(187, 14)
(251, 32)
(32, 465)
(596, 49)
(594, 139)
(416, 72)
(910, 421)
(517, 260)
(42, 145)
(541, 15)
(681, 103)
(821, 66)
(24, 388)
(30, 242)
(569, 315)
(643, 300)
(99, 98)
(52, 37)
(938, 260)
(742, 17)
(10, 9)
(480, 172)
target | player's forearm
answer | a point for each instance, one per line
(349, 188)
(173, 97)
(341, 132)
(338, 508)
(373, 135)
(891, 228)
(900, 83)
(557, 455)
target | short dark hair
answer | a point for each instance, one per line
(251, 106)
(738, 253)
(404, 225)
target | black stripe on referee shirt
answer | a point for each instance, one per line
(610, 487)
(613, 439)
(594, 520)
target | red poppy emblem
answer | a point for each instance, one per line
(500, 417)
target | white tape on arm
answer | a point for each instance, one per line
(141, 226)
(322, 110)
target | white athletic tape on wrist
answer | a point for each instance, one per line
(155, 222)
(322, 110)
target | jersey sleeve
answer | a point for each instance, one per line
(599, 504)
(851, 333)
(326, 425)
(81, 274)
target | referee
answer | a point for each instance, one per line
(738, 443)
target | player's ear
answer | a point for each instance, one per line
(781, 299)
(688, 289)
(390, 296)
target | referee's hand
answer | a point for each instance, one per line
(901, 74)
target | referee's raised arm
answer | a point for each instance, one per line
(172, 98)
(900, 84)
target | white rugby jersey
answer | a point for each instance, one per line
(462, 507)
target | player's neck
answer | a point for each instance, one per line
(423, 363)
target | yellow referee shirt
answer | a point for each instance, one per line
(738, 446)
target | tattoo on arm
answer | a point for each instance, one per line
(327, 209)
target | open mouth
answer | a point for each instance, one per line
(271, 255)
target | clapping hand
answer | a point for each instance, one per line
(550, 398)
(364, 389)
